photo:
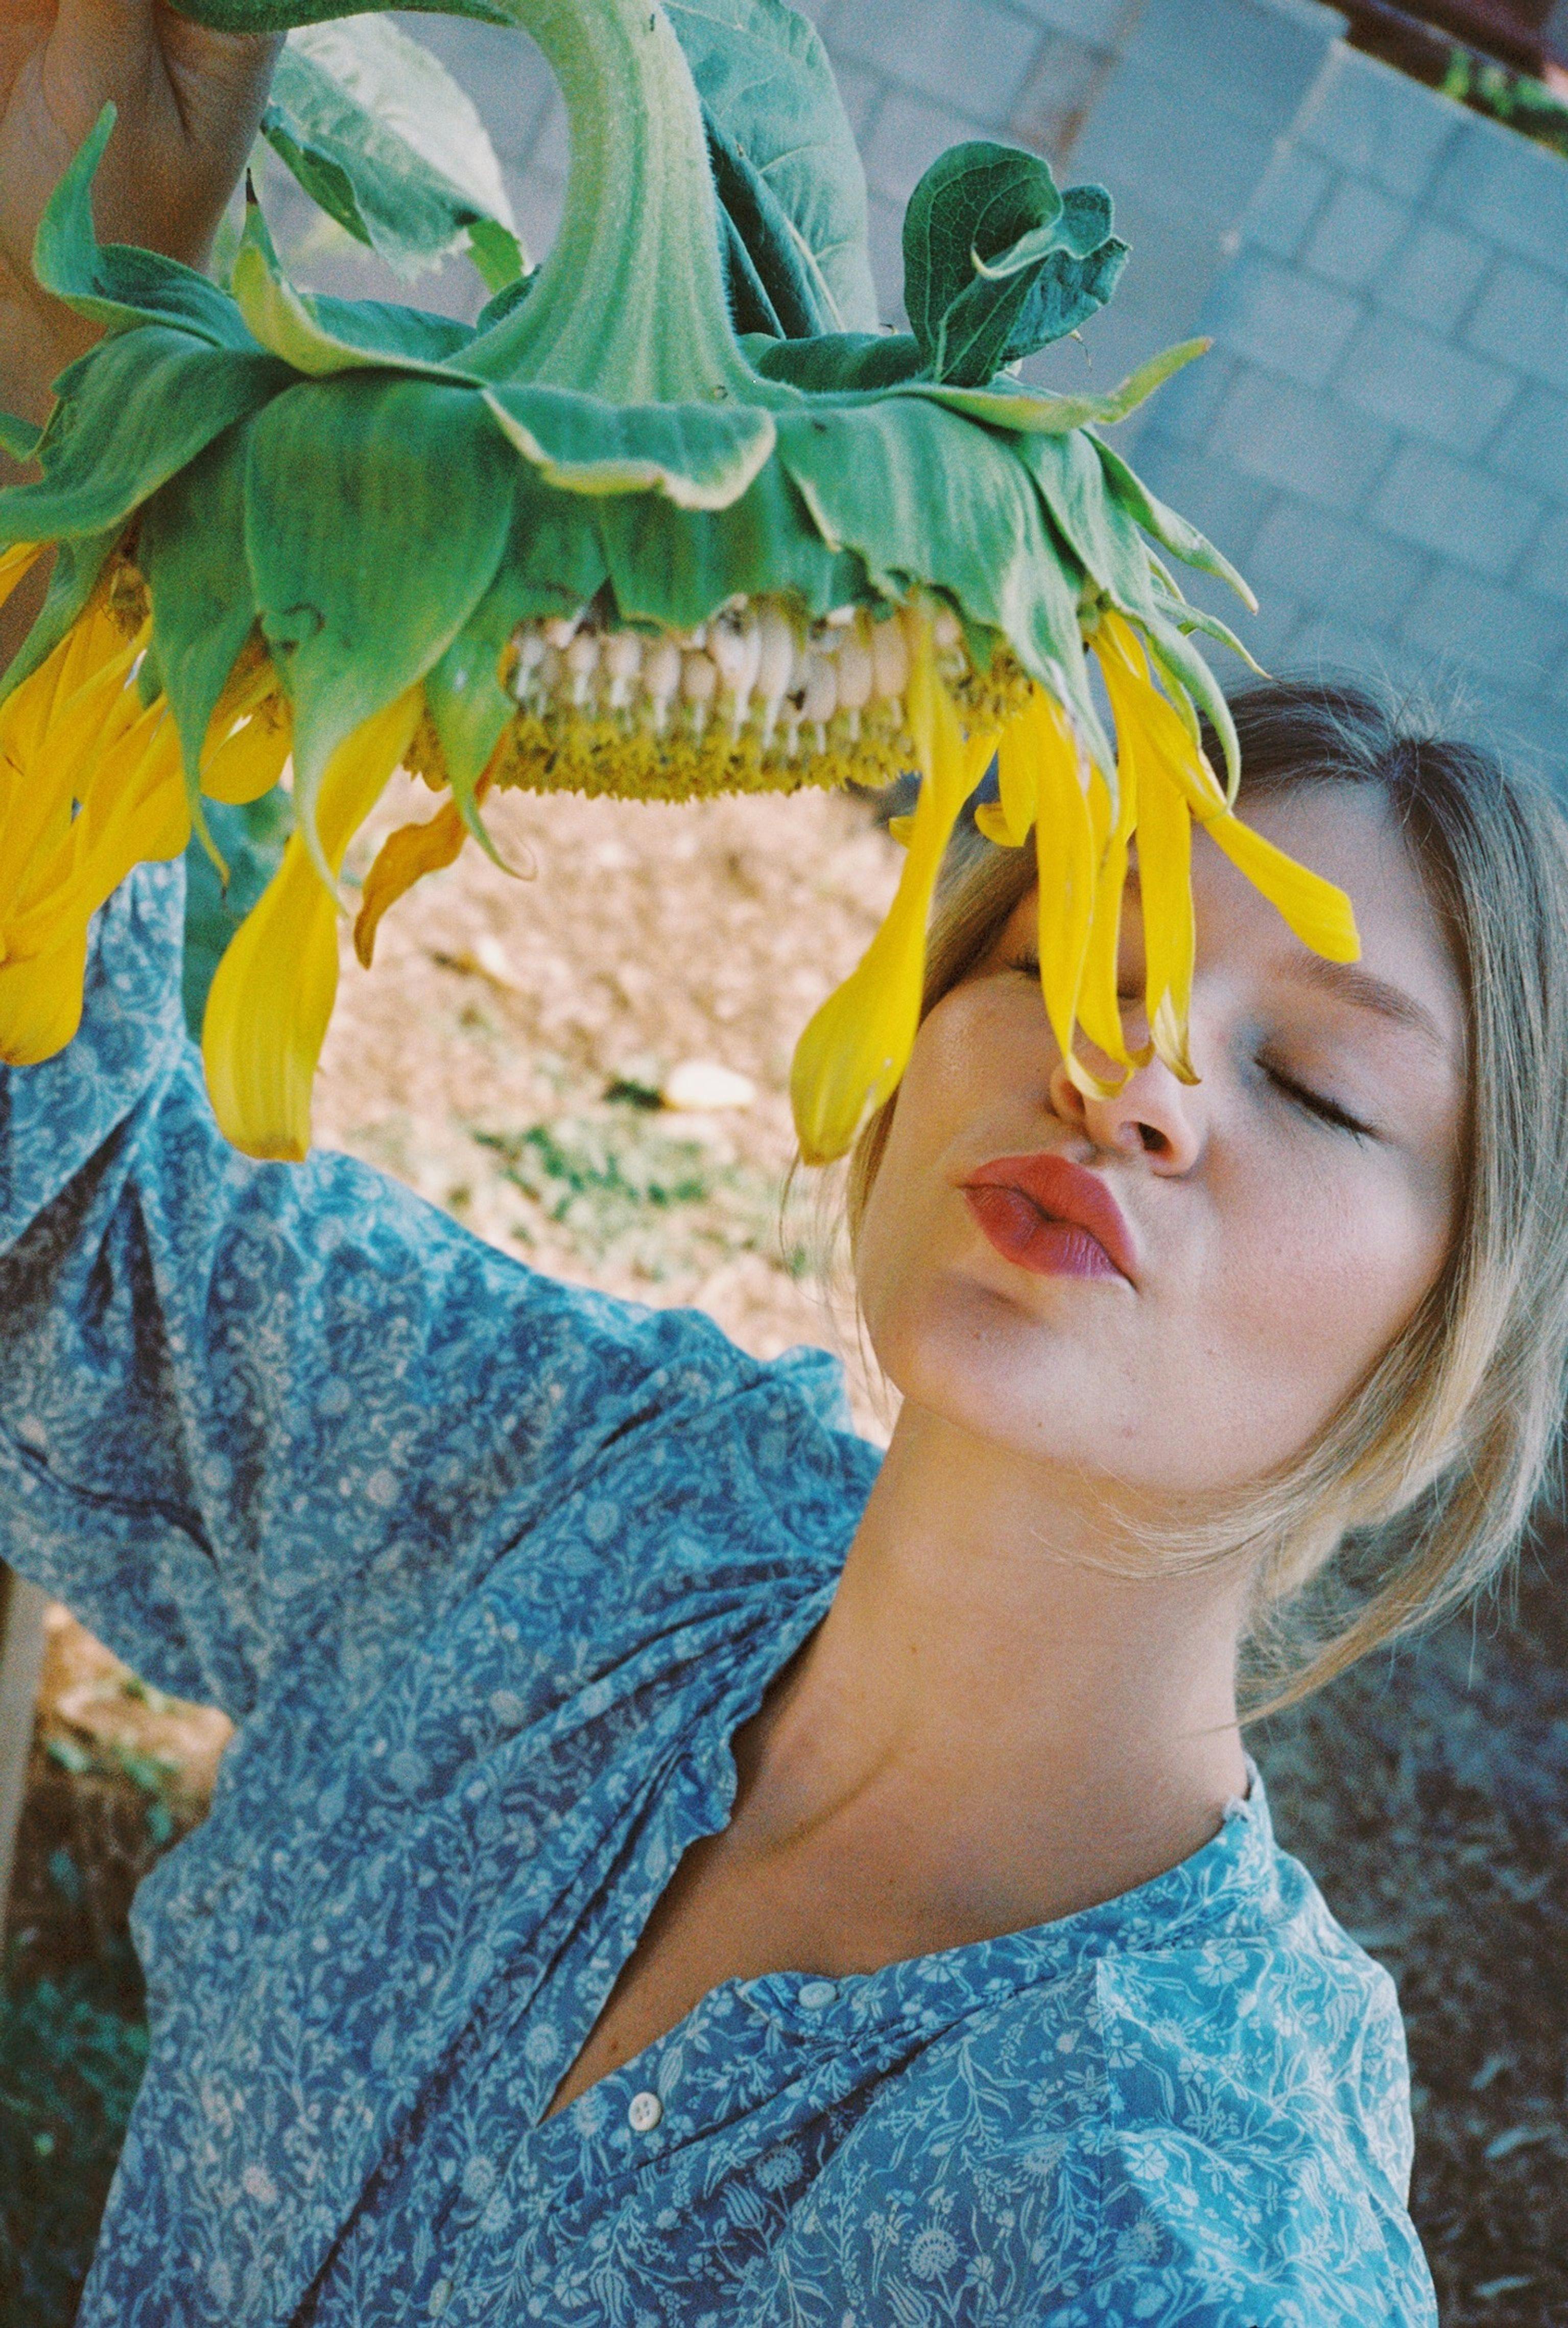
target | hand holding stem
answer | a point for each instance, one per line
(188, 102)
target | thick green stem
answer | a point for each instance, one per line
(630, 305)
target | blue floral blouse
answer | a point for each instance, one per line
(488, 1570)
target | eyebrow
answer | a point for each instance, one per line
(1346, 982)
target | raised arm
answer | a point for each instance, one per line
(255, 1413)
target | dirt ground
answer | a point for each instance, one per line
(505, 1056)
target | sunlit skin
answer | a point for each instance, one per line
(990, 1729)
(189, 103)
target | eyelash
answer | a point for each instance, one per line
(1311, 1102)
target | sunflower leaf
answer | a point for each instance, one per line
(1097, 530)
(1170, 530)
(349, 632)
(131, 412)
(192, 549)
(664, 569)
(18, 437)
(324, 336)
(1188, 618)
(998, 263)
(1028, 409)
(837, 362)
(786, 163)
(701, 457)
(114, 284)
(379, 135)
(869, 480)
(498, 256)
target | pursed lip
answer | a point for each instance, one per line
(1065, 1191)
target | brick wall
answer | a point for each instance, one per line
(1380, 436)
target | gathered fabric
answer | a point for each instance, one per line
(488, 1570)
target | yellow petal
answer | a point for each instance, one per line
(267, 1012)
(854, 1050)
(135, 812)
(29, 713)
(1017, 789)
(1099, 999)
(1066, 859)
(249, 760)
(1321, 914)
(41, 999)
(272, 997)
(404, 858)
(39, 842)
(14, 563)
(1170, 940)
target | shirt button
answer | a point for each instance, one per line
(643, 2113)
(815, 1994)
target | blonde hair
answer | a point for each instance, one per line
(1418, 1490)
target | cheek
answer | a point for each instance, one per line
(1328, 1270)
(965, 1071)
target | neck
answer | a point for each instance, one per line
(1053, 1733)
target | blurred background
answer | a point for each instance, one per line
(1367, 210)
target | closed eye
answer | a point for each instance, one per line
(1314, 1103)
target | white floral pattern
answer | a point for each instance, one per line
(488, 1571)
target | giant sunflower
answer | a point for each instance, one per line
(604, 540)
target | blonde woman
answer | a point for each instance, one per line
(677, 1866)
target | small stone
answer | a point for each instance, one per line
(702, 1087)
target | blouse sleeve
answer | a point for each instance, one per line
(249, 1408)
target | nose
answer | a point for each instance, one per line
(1153, 1115)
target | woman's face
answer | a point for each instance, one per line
(1280, 1221)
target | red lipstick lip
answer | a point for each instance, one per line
(1065, 1191)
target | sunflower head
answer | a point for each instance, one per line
(605, 540)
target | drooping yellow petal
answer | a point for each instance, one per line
(1147, 734)
(1169, 937)
(47, 756)
(249, 760)
(1007, 820)
(272, 997)
(41, 999)
(1099, 999)
(1321, 914)
(30, 711)
(135, 812)
(404, 858)
(14, 563)
(857, 1046)
(1064, 857)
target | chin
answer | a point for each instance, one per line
(985, 1360)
